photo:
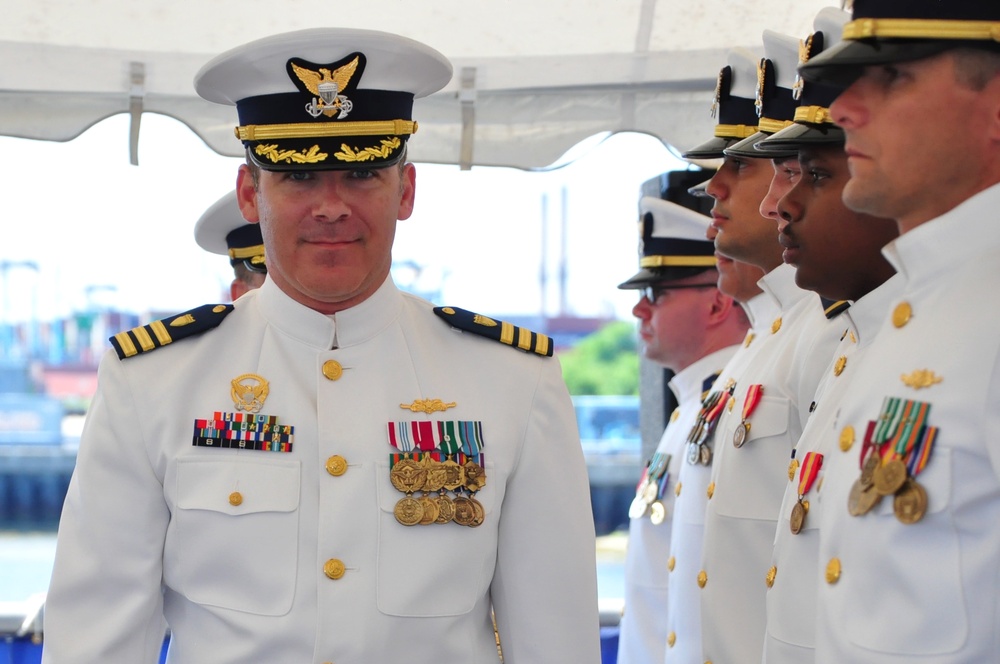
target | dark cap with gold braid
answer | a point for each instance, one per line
(223, 230)
(813, 123)
(159, 333)
(498, 330)
(672, 243)
(886, 31)
(733, 105)
(325, 98)
(775, 99)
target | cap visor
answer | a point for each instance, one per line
(794, 137)
(747, 148)
(711, 149)
(842, 63)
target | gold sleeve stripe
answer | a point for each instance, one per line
(160, 330)
(920, 28)
(507, 333)
(542, 344)
(125, 341)
(523, 338)
(142, 336)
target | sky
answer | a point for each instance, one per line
(83, 229)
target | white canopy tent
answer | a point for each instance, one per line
(532, 77)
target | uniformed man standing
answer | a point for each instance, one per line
(769, 392)
(688, 326)
(223, 230)
(835, 252)
(328, 470)
(909, 550)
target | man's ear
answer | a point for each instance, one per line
(246, 194)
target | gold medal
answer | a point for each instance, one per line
(475, 476)
(409, 511)
(854, 498)
(436, 475)
(408, 475)
(868, 470)
(478, 513)
(446, 509)
(465, 513)
(430, 509)
(798, 516)
(706, 455)
(868, 499)
(453, 473)
(890, 477)
(657, 513)
(910, 503)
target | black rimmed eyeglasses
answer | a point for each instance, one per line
(652, 292)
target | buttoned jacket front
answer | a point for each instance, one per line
(312, 566)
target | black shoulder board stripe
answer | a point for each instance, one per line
(833, 308)
(505, 333)
(162, 332)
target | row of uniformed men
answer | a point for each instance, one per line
(827, 497)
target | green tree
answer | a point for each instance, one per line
(605, 362)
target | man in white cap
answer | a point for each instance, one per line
(909, 549)
(223, 230)
(690, 327)
(328, 470)
(770, 387)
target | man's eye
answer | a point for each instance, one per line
(299, 176)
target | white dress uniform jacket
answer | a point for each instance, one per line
(684, 596)
(748, 482)
(149, 530)
(791, 594)
(929, 591)
(643, 637)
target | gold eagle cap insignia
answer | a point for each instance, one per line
(249, 392)
(328, 85)
(340, 76)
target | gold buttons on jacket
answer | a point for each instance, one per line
(702, 578)
(336, 465)
(776, 325)
(847, 438)
(771, 573)
(838, 367)
(677, 489)
(793, 465)
(236, 498)
(332, 370)
(901, 314)
(334, 568)
(671, 561)
(674, 415)
(833, 571)
(671, 639)
(711, 490)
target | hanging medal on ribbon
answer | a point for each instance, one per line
(639, 505)
(659, 476)
(750, 402)
(910, 502)
(698, 448)
(891, 475)
(808, 471)
(435, 458)
(863, 496)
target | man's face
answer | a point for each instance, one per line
(738, 188)
(672, 327)
(836, 252)
(737, 279)
(328, 234)
(786, 174)
(917, 139)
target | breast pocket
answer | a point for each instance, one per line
(439, 569)
(751, 482)
(928, 570)
(233, 537)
